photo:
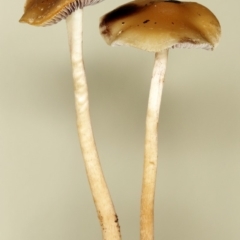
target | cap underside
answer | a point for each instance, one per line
(48, 12)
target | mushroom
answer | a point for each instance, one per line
(157, 26)
(47, 12)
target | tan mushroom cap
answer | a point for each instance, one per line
(47, 12)
(157, 25)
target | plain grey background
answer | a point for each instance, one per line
(44, 192)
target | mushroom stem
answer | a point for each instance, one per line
(105, 209)
(151, 147)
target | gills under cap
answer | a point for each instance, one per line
(48, 12)
(156, 25)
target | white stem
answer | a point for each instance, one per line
(151, 147)
(105, 209)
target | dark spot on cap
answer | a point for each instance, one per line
(116, 218)
(173, 1)
(120, 12)
(146, 21)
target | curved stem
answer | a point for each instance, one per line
(151, 147)
(105, 209)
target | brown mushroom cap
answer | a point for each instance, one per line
(48, 12)
(158, 24)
